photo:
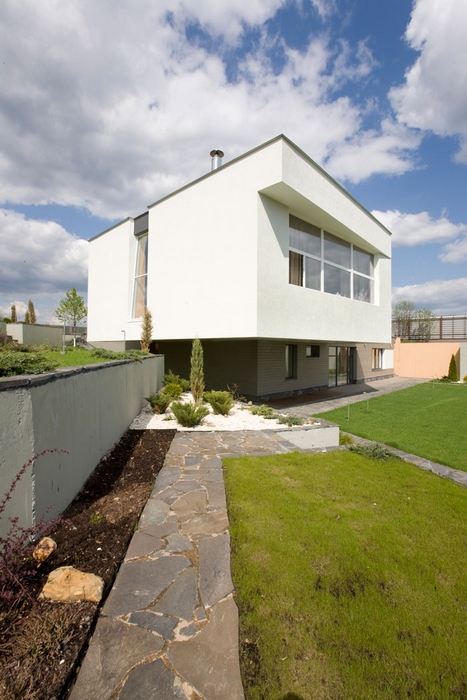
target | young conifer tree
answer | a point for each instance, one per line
(452, 374)
(146, 330)
(14, 317)
(31, 312)
(197, 371)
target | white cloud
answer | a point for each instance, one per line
(419, 229)
(39, 257)
(443, 297)
(433, 96)
(110, 108)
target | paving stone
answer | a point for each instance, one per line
(114, 649)
(178, 543)
(191, 460)
(213, 463)
(165, 478)
(139, 583)
(215, 582)
(209, 661)
(188, 631)
(179, 449)
(161, 624)
(152, 681)
(154, 513)
(167, 528)
(213, 523)
(190, 504)
(215, 475)
(216, 494)
(181, 598)
(142, 545)
(188, 485)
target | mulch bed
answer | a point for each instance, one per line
(42, 642)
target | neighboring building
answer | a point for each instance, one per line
(284, 277)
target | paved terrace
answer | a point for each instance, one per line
(169, 628)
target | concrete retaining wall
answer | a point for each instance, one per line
(82, 410)
(35, 334)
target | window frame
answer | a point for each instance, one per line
(377, 358)
(328, 268)
(140, 284)
(291, 353)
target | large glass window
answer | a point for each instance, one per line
(141, 277)
(320, 260)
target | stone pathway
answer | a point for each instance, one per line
(169, 628)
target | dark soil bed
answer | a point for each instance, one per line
(42, 642)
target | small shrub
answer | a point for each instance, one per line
(173, 390)
(13, 363)
(171, 378)
(290, 420)
(233, 391)
(453, 374)
(220, 401)
(105, 354)
(345, 438)
(264, 411)
(374, 450)
(188, 414)
(159, 402)
(465, 379)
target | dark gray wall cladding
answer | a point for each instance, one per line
(141, 224)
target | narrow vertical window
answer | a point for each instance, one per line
(141, 277)
(290, 361)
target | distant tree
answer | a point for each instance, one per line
(403, 313)
(5, 319)
(31, 312)
(14, 318)
(72, 309)
(452, 374)
(197, 370)
(424, 324)
(26, 317)
(146, 330)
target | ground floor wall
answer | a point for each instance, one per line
(257, 367)
(80, 411)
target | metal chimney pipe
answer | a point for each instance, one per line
(216, 159)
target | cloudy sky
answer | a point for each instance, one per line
(107, 106)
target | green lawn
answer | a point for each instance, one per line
(350, 578)
(428, 420)
(75, 357)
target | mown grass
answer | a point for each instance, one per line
(74, 357)
(348, 578)
(427, 420)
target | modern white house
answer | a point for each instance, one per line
(284, 277)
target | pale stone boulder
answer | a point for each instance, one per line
(68, 584)
(44, 549)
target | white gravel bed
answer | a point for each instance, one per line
(239, 418)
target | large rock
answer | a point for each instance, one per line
(69, 584)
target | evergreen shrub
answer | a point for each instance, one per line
(188, 414)
(159, 402)
(264, 411)
(171, 378)
(173, 390)
(220, 401)
(452, 374)
(290, 420)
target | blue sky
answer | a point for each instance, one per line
(107, 106)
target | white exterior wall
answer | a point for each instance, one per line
(218, 259)
(110, 286)
(203, 254)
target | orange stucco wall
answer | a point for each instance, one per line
(424, 360)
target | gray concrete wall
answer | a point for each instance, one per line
(81, 410)
(34, 334)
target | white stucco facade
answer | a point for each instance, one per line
(218, 259)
